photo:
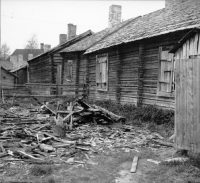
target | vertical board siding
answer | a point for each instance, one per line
(191, 48)
(187, 118)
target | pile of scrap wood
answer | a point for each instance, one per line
(28, 135)
(80, 112)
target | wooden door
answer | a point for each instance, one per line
(187, 113)
(59, 79)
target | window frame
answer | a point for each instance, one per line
(99, 56)
(172, 78)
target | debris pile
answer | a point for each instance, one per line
(34, 136)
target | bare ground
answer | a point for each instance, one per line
(112, 167)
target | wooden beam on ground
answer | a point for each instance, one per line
(134, 164)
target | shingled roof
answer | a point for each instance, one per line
(65, 44)
(6, 65)
(154, 24)
(95, 38)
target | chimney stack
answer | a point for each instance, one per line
(47, 47)
(62, 38)
(114, 15)
(42, 46)
(71, 31)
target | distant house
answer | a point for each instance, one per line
(21, 56)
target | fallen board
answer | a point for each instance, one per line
(134, 164)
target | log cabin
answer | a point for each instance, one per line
(47, 67)
(75, 63)
(132, 64)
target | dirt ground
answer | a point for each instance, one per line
(110, 166)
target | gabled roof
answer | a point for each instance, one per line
(19, 68)
(7, 65)
(64, 45)
(8, 71)
(180, 43)
(154, 24)
(95, 38)
(25, 52)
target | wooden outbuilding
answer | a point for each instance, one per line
(187, 113)
(21, 72)
(132, 64)
(8, 79)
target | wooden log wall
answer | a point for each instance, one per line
(150, 76)
(40, 70)
(138, 71)
(129, 74)
(140, 74)
(112, 72)
(118, 74)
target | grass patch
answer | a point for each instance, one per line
(154, 118)
(39, 170)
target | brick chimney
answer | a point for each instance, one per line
(177, 5)
(62, 38)
(71, 31)
(114, 15)
(42, 46)
(47, 47)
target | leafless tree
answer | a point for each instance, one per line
(4, 52)
(32, 43)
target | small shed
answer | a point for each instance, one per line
(21, 72)
(187, 97)
(8, 79)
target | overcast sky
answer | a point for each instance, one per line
(49, 18)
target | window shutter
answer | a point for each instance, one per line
(102, 72)
(166, 71)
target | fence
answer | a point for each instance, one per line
(187, 118)
(43, 89)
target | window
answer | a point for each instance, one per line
(69, 70)
(30, 56)
(102, 72)
(166, 77)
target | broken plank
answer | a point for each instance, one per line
(134, 164)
